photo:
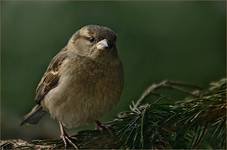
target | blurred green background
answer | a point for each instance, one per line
(156, 40)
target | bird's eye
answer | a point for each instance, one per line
(91, 39)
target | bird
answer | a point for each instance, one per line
(82, 82)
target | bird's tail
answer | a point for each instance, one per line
(34, 115)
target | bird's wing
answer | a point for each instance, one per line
(50, 77)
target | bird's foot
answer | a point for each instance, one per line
(66, 138)
(69, 140)
(102, 127)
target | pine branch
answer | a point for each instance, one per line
(157, 121)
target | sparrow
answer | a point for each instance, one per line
(82, 82)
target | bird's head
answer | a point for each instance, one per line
(94, 41)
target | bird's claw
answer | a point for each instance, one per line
(102, 127)
(67, 139)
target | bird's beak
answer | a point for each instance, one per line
(103, 44)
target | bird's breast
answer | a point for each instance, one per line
(85, 92)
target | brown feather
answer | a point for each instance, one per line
(51, 77)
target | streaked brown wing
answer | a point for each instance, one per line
(51, 77)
